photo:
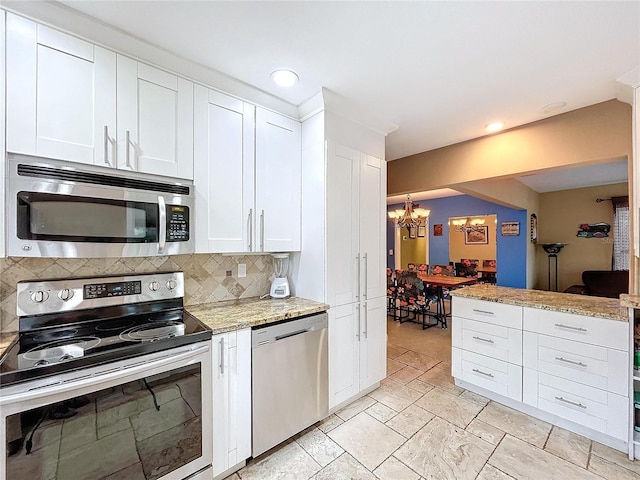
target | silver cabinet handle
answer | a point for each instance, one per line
(358, 312)
(366, 320)
(484, 339)
(579, 329)
(262, 231)
(366, 274)
(483, 311)
(251, 229)
(358, 278)
(106, 145)
(162, 225)
(482, 373)
(221, 364)
(580, 364)
(571, 403)
(127, 141)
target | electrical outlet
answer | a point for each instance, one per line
(242, 270)
(229, 273)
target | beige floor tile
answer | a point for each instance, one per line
(321, 448)
(406, 375)
(441, 377)
(489, 472)
(517, 424)
(394, 351)
(454, 409)
(434, 342)
(394, 469)
(393, 366)
(134, 472)
(419, 386)
(419, 361)
(367, 440)
(355, 407)
(410, 420)
(614, 456)
(485, 431)
(395, 395)
(381, 412)
(474, 397)
(290, 462)
(345, 467)
(523, 461)
(235, 476)
(569, 446)
(441, 451)
(329, 423)
(610, 470)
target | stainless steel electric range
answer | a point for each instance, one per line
(108, 375)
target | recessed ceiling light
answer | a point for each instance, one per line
(284, 78)
(494, 126)
(553, 107)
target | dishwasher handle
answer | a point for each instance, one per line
(292, 334)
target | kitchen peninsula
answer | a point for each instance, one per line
(562, 358)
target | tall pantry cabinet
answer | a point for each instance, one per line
(342, 261)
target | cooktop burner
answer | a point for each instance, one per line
(76, 337)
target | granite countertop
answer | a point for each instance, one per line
(630, 301)
(609, 308)
(232, 315)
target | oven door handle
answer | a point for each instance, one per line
(115, 375)
(162, 224)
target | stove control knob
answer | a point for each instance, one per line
(171, 284)
(154, 286)
(39, 296)
(65, 294)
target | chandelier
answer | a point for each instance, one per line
(466, 224)
(411, 216)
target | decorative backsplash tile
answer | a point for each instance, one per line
(205, 276)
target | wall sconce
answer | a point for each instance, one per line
(411, 216)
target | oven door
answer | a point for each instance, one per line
(145, 418)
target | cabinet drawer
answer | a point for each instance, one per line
(596, 331)
(597, 409)
(487, 339)
(599, 367)
(495, 375)
(488, 312)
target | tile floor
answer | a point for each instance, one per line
(419, 425)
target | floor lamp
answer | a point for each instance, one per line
(552, 250)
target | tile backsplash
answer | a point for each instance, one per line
(205, 275)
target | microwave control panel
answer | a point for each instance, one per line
(177, 223)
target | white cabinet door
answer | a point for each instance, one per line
(61, 95)
(231, 399)
(344, 353)
(224, 172)
(278, 182)
(373, 187)
(343, 247)
(373, 342)
(155, 120)
(2, 130)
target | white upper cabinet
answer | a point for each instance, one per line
(61, 95)
(278, 182)
(154, 119)
(224, 172)
(71, 100)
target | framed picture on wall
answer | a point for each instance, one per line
(412, 232)
(477, 235)
(422, 231)
(510, 229)
(437, 230)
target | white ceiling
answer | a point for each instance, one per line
(438, 70)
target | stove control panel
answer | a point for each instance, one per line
(64, 295)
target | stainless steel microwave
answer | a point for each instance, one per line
(66, 210)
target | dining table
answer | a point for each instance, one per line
(439, 282)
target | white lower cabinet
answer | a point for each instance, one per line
(231, 400)
(357, 348)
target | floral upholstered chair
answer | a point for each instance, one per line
(467, 268)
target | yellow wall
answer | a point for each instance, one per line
(561, 214)
(412, 250)
(458, 249)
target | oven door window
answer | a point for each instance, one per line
(143, 429)
(46, 216)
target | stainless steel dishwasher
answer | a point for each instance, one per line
(289, 379)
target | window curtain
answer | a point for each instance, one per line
(621, 233)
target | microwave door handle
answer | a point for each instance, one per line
(162, 225)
